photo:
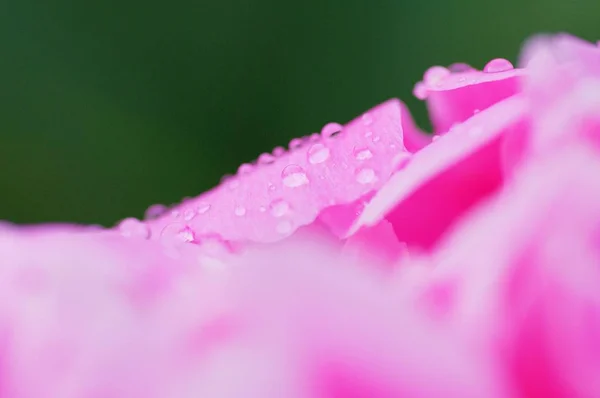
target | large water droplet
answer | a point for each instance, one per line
(134, 228)
(284, 227)
(318, 153)
(240, 211)
(203, 208)
(498, 65)
(155, 211)
(279, 208)
(460, 67)
(294, 176)
(366, 176)
(331, 130)
(361, 153)
(278, 151)
(435, 75)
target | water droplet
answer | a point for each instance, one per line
(420, 91)
(314, 137)
(278, 151)
(279, 208)
(295, 143)
(266, 158)
(367, 119)
(245, 168)
(155, 211)
(435, 74)
(203, 208)
(331, 130)
(362, 153)
(435, 138)
(498, 65)
(272, 187)
(294, 176)
(460, 67)
(368, 134)
(240, 211)
(134, 228)
(318, 153)
(189, 214)
(476, 111)
(376, 139)
(366, 176)
(284, 227)
(400, 161)
(177, 233)
(262, 209)
(175, 213)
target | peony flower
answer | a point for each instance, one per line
(367, 260)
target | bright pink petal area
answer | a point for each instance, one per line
(455, 95)
(269, 201)
(442, 181)
(522, 276)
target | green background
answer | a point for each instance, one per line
(107, 107)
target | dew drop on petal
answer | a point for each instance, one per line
(155, 211)
(272, 187)
(368, 134)
(331, 129)
(240, 211)
(498, 65)
(262, 209)
(134, 228)
(245, 168)
(314, 137)
(284, 227)
(376, 139)
(459, 67)
(294, 176)
(317, 153)
(366, 176)
(176, 233)
(175, 213)
(203, 208)
(278, 151)
(362, 153)
(367, 119)
(296, 143)
(401, 160)
(189, 214)
(266, 158)
(279, 208)
(435, 75)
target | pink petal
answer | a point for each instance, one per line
(444, 180)
(453, 97)
(523, 276)
(282, 193)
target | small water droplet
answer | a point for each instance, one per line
(284, 227)
(362, 153)
(245, 168)
(366, 176)
(176, 233)
(134, 228)
(175, 213)
(295, 143)
(367, 119)
(203, 208)
(435, 138)
(272, 187)
(266, 158)
(278, 151)
(376, 139)
(294, 176)
(240, 211)
(331, 130)
(155, 211)
(279, 208)
(368, 134)
(189, 214)
(498, 65)
(435, 74)
(317, 153)
(476, 111)
(262, 209)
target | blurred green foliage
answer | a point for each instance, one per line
(108, 107)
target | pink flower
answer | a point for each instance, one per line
(365, 261)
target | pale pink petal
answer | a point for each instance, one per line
(269, 201)
(454, 95)
(445, 179)
(520, 276)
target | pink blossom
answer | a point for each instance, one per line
(368, 260)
